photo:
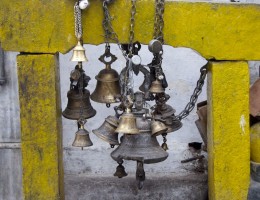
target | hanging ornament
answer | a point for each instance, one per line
(79, 51)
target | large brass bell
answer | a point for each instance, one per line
(82, 138)
(156, 87)
(79, 53)
(140, 147)
(127, 124)
(107, 132)
(158, 128)
(77, 104)
(108, 87)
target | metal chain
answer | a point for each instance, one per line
(78, 23)
(132, 25)
(81, 91)
(108, 28)
(158, 20)
(194, 97)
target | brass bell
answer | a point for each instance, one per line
(165, 146)
(107, 132)
(79, 53)
(127, 124)
(158, 128)
(156, 87)
(140, 147)
(76, 103)
(82, 138)
(108, 87)
(120, 170)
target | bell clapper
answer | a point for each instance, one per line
(140, 174)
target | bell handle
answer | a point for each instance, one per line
(107, 54)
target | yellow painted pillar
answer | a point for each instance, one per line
(228, 130)
(41, 135)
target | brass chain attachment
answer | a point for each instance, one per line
(194, 97)
(78, 23)
(158, 20)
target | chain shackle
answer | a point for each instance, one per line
(194, 97)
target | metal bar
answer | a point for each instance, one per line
(11, 145)
(2, 67)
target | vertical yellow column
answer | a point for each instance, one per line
(41, 134)
(228, 130)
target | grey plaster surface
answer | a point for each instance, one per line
(167, 187)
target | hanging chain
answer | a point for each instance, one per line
(158, 20)
(81, 92)
(78, 23)
(132, 25)
(194, 97)
(108, 28)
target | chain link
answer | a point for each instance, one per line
(194, 97)
(132, 25)
(108, 28)
(158, 20)
(78, 23)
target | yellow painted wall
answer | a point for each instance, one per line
(216, 30)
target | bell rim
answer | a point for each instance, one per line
(134, 132)
(160, 132)
(94, 98)
(146, 161)
(171, 130)
(68, 116)
(113, 142)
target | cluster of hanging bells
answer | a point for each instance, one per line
(139, 142)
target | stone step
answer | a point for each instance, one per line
(181, 187)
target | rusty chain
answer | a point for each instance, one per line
(158, 20)
(132, 25)
(194, 97)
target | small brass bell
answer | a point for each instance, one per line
(107, 132)
(108, 87)
(76, 103)
(82, 138)
(156, 87)
(120, 170)
(164, 144)
(158, 128)
(79, 53)
(127, 124)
